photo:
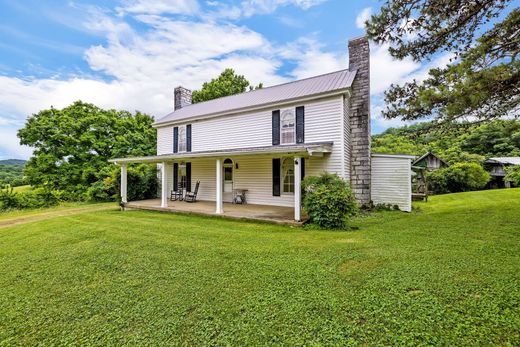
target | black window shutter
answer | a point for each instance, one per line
(300, 124)
(188, 177)
(175, 139)
(276, 127)
(175, 176)
(276, 176)
(188, 138)
(302, 167)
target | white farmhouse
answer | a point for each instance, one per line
(265, 141)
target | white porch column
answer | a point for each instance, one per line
(164, 186)
(124, 197)
(297, 189)
(218, 185)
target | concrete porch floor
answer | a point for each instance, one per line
(275, 214)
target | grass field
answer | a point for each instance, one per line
(446, 274)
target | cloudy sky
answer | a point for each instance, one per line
(130, 54)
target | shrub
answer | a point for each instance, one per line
(141, 183)
(460, 177)
(328, 200)
(35, 198)
(513, 175)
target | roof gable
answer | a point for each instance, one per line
(317, 85)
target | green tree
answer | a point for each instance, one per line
(395, 144)
(466, 143)
(513, 175)
(482, 80)
(460, 177)
(72, 145)
(227, 83)
(498, 138)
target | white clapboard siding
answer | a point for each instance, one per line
(326, 120)
(323, 122)
(254, 174)
(164, 140)
(392, 181)
(205, 171)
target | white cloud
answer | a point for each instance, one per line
(145, 65)
(362, 17)
(251, 7)
(248, 8)
(311, 60)
(385, 70)
(9, 145)
(159, 6)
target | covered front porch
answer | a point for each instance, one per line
(266, 213)
(257, 171)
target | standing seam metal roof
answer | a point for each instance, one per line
(296, 89)
(506, 160)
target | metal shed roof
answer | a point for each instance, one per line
(317, 85)
(505, 160)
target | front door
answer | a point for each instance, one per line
(228, 180)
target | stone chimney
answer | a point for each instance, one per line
(182, 97)
(359, 59)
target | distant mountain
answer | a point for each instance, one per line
(13, 162)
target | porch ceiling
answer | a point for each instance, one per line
(306, 149)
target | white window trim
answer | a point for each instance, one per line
(183, 127)
(282, 176)
(282, 113)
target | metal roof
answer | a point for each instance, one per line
(505, 160)
(427, 154)
(317, 148)
(316, 85)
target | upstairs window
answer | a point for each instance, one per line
(182, 138)
(287, 127)
(288, 176)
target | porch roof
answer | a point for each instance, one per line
(304, 149)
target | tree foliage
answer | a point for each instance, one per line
(460, 177)
(483, 80)
(227, 83)
(11, 172)
(470, 143)
(72, 145)
(513, 174)
(328, 200)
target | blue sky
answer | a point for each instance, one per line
(130, 54)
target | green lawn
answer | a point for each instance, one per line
(447, 274)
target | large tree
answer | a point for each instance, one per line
(481, 82)
(72, 145)
(227, 83)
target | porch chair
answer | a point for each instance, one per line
(192, 196)
(177, 194)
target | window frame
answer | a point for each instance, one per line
(284, 170)
(284, 131)
(182, 140)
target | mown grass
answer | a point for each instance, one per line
(446, 274)
(62, 207)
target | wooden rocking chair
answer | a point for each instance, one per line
(192, 196)
(177, 194)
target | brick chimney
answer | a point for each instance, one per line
(359, 59)
(182, 97)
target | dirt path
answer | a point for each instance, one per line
(53, 214)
